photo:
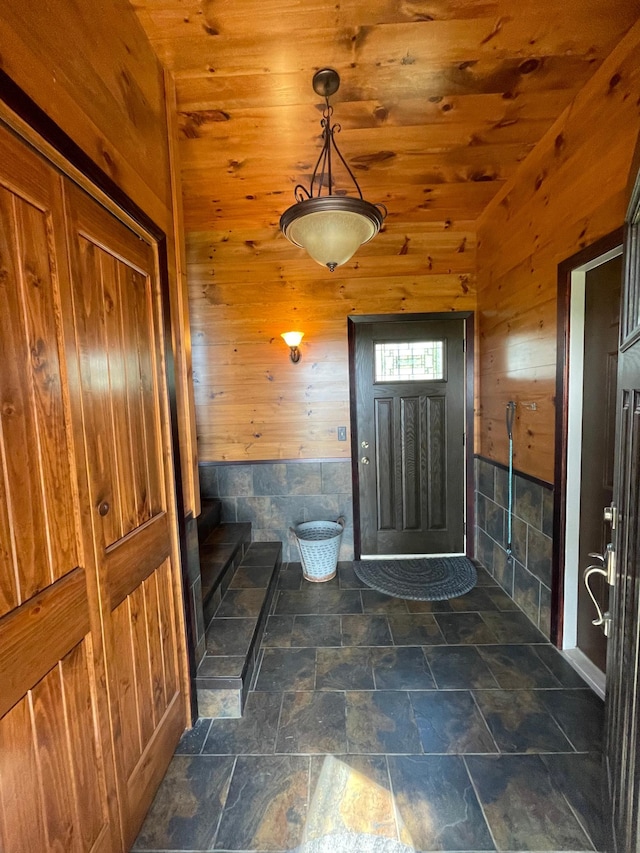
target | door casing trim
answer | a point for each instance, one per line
(566, 269)
(468, 317)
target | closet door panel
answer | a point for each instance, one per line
(115, 301)
(56, 777)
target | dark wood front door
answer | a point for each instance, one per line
(409, 436)
(601, 331)
(622, 740)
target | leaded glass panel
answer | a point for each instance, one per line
(411, 361)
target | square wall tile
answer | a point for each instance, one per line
(528, 501)
(208, 476)
(235, 480)
(485, 478)
(270, 479)
(303, 478)
(336, 478)
(539, 555)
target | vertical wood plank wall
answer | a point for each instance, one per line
(107, 92)
(571, 190)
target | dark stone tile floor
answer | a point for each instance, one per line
(415, 726)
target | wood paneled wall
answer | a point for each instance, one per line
(90, 67)
(252, 402)
(571, 190)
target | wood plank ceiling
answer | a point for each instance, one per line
(440, 102)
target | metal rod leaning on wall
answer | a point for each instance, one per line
(511, 410)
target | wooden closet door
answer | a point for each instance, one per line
(125, 432)
(56, 770)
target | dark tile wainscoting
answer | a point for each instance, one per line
(275, 496)
(527, 576)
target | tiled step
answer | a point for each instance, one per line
(234, 633)
(220, 555)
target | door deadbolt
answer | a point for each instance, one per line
(364, 444)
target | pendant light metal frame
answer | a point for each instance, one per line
(326, 82)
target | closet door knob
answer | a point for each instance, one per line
(104, 508)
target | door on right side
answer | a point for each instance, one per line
(622, 725)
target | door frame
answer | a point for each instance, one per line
(22, 115)
(562, 603)
(468, 316)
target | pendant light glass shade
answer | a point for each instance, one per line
(330, 227)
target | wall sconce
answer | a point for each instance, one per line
(292, 340)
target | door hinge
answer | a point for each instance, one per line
(464, 439)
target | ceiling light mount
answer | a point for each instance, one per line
(330, 227)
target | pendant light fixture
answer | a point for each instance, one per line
(330, 227)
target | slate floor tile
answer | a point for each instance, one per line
(523, 807)
(449, 722)
(519, 721)
(312, 722)
(517, 666)
(581, 780)
(241, 603)
(344, 669)
(436, 803)
(257, 577)
(368, 630)
(287, 669)
(500, 598)
(347, 578)
(377, 602)
(266, 805)
(580, 714)
(186, 810)
(562, 670)
(277, 633)
(316, 631)
(230, 636)
(290, 578)
(401, 668)
(350, 794)
(252, 734)
(464, 628)
(479, 598)
(414, 606)
(484, 578)
(513, 627)
(313, 600)
(458, 667)
(381, 721)
(416, 629)
(193, 739)
(333, 741)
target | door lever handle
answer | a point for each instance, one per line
(609, 563)
(603, 619)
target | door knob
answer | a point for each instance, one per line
(103, 509)
(365, 460)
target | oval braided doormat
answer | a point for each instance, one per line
(419, 578)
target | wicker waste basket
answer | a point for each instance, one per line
(319, 544)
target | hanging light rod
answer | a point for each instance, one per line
(330, 227)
